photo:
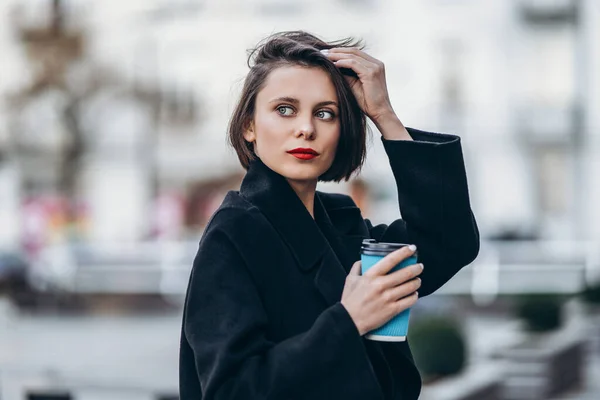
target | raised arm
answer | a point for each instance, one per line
(434, 202)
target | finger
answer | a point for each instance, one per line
(355, 66)
(341, 54)
(403, 275)
(356, 268)
(383, 266)
(407, 302)
(397, 292)
(355, 51)
(337, 57)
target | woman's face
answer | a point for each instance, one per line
(296, 128)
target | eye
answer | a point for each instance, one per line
(326, 115)
(280, 108)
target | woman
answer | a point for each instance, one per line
(276, 307)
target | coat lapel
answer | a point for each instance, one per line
(310, 243)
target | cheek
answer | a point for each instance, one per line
(267, 127)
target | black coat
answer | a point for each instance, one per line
(262, 316)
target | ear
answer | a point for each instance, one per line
(249, 133)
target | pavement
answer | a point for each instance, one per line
(134, 357)
(95, 356)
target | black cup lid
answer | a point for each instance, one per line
(373, 245)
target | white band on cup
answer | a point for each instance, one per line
(383, 338)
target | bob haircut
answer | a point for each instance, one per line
(299, 48)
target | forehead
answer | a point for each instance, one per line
(307, 84)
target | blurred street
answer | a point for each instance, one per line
(102, 357)
(92, 356)
(113, 158)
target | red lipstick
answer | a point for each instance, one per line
(303, 153)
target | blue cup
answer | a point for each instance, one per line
(396, 329)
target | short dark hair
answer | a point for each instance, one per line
(303, 49)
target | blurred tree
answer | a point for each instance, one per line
(63, 75)
(51, 50)
(540, 312)
(439, 346)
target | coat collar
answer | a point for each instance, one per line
(314, 243)
(275, 198)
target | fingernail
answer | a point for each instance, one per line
(412, 247)
(325, 51)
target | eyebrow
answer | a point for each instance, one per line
(296, 101)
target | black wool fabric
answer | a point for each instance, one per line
(262, 316)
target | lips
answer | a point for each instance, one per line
(303, 153)
(301, 150)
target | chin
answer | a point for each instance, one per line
(302, 173)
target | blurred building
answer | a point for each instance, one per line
(515, 79)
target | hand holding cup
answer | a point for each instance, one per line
(380, 294)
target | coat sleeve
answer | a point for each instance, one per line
(225, 325)
(434, 202)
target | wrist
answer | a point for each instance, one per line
(385, 116)
(361, 330)
(357, 324)
(390, 127)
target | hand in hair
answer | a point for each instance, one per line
(370, 86)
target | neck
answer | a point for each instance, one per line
(306, 192)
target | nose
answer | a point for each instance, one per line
(306, 129)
